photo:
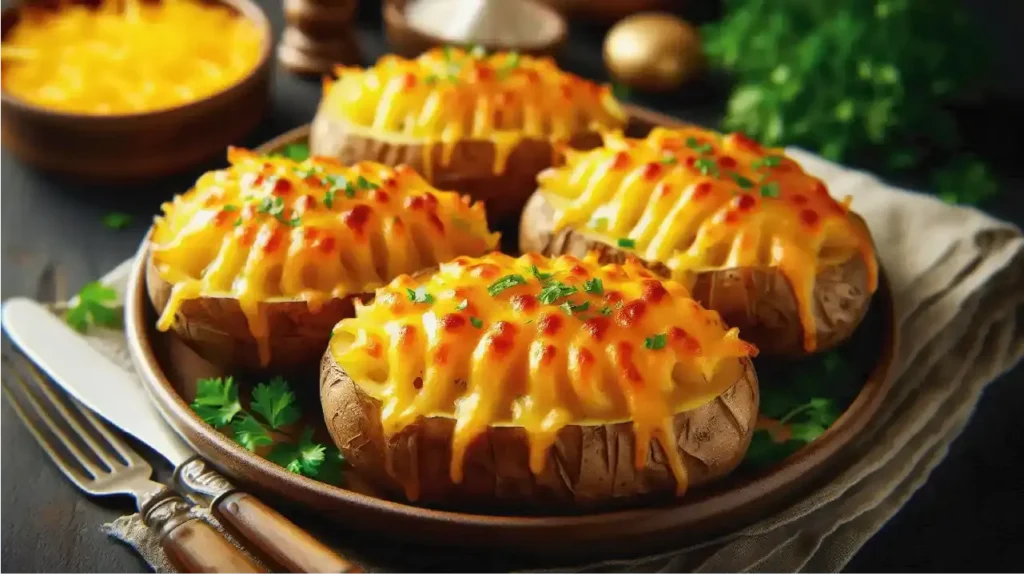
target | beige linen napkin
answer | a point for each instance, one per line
(958, 283)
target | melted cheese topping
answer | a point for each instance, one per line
(695, 200)
(448, 95)
(141, 57)
(540, 344)
(269, 228)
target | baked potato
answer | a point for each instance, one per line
(482, 125)
(256, 264)
(744, 228)
(526, 382)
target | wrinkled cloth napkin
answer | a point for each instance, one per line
(958, 282)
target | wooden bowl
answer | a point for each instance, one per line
(169, 369)
(410, 42)
(132, 147)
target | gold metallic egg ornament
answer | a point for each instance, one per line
(653, 51)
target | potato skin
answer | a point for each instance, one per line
(589, 467)
(218, 331)
(758, 301)
(471, 170)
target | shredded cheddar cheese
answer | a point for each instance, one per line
(129, 56)
(694, 200)
(447, 95)
(269, 228)
(540, 344)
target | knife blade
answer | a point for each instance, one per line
(112, 392)
(92, 378)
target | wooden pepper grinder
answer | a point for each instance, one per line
(318, 35)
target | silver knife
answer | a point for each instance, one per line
(112, 392)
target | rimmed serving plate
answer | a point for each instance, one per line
(169, 370)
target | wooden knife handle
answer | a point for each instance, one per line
(285, 543)
(191, 544)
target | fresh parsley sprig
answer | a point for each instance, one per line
(95, 305)
(218, 404)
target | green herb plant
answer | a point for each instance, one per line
(865, 82)
(95, 305)
(804, 399)
(218, 404)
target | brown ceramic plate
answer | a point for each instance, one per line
(133, 147)
(169, 370)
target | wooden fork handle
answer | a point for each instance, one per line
(285, 543)
(191, 544)
(274, 536)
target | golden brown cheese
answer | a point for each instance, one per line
(446, 95)
(538, 343)
(269, 228)
(695, 200)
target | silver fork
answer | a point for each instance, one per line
(101, 464)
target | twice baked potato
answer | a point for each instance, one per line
(484, 125)
(536, 383)
(744, 228)
(256, 264)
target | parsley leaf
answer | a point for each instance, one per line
(329, 198)
(275, 402)
(555, 290)
(627, 243)
(476, 322)
(770, 190)
(462, 305)
(216, 401)
(298, 151)
(593, 286)
(706, 166)
(655, 342)
(570, 308)
(365, 184)
(117, 220)
(766, 162)
(669, 159)
(606, 310)
(504, 283)
(250, 433)
(542, 276)
(306, 457)
(95, 305)
(697, 146)
(742, 181)
(419, 295)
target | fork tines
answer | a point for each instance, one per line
(80, 444)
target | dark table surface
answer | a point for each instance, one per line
(969, 516)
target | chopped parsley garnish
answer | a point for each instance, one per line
(766, 162)
(555, 290)
(294, 221)
(117, 220)
(656, 342)
(605, 310)
(462, 305)
(542, 276)
(230, 208)
(476, 322)
(743, 181)
(504, 283)
(697, 146)
(571, 308)
(627, 243)
(594, 286)
(96, 305)
(273, 205)
(509, 65)
(365, 184)
(296, 152)
(419, 295)
(669, 159)
(706, 166)
(770, 190)
(329, 197)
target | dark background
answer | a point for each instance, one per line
(969, 516)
